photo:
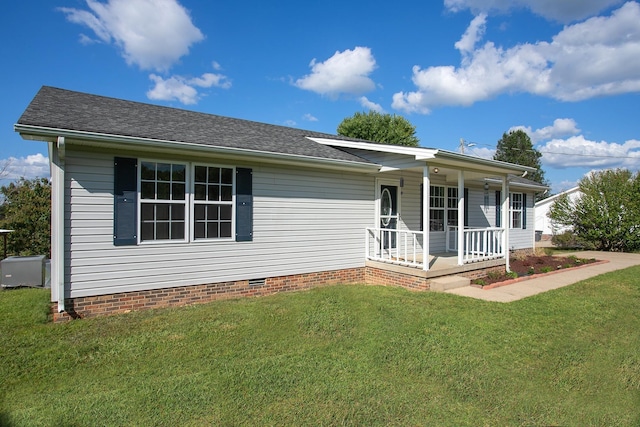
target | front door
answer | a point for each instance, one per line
(388, 214)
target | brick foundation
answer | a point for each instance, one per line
(101, 305)
(378, 276)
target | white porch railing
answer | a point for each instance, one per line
(402, 247)
(480, 244)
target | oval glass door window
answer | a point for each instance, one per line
(386, 207)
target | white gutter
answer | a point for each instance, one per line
(103, 139)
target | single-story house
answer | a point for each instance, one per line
(154, 206)
(544, 224)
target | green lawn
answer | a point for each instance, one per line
(343, 355)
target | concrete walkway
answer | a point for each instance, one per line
(533, 286)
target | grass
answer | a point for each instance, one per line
(343, 355)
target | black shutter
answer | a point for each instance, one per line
(524, 210)
(498, 208)
(125, 201)
(466, 207)
(244, 205)
(421, 207)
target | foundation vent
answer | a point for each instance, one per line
(257, 282)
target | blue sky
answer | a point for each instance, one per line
(566, 71)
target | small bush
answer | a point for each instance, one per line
(531, 270)
(570, 240)
(494, 274)
(512, 275)
(546, 269)
(480, 282)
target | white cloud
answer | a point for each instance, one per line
(345, 72)
(474, 32)
(152, 34)
(577, 151)
(370, 105)
(32, 166)
(482, 152)
(560, 128)
(178, 88)
(597, 57)
(290, 123)
(563, 186)
(310, 118)
(558, 10)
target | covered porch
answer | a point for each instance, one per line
(465, 214)
(436, 207)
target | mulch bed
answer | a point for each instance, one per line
(532, 266)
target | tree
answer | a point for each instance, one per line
(516, 147)
(607, 214)
(377, 127)
(26, 209)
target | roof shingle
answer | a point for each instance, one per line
(68, 110)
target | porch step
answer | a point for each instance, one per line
(449, 282)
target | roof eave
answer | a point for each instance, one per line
(39, 133)
(451, 158)
(433, 156)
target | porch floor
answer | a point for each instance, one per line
(441, 264)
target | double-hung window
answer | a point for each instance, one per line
(452, 206)
(212, 202)
(163, 201)
(436, 208)
(516, 210)
(165, 213)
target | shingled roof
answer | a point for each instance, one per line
(54, 108)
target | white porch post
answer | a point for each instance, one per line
(56, 154)
(461, 202)
(426, 183)
(506, 223)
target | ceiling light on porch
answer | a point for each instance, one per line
(436, 170)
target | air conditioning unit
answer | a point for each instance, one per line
(23, 271)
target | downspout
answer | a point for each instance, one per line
(56, 156)
(426, 183)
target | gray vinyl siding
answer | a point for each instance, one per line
(304, 221)
(523, 238)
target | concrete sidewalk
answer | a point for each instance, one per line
(533, 286)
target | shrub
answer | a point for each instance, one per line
(512, 275)
(494, 274)
(567, 240)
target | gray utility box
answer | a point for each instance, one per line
(23, 271)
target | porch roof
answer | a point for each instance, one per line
(421, 156)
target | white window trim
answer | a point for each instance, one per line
(141, 202)
(188, 203)
(446, 209)
(193, 202)
(512, 210)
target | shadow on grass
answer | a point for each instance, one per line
(5, 420)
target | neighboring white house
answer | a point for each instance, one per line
(155, 206)
(543, 222)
